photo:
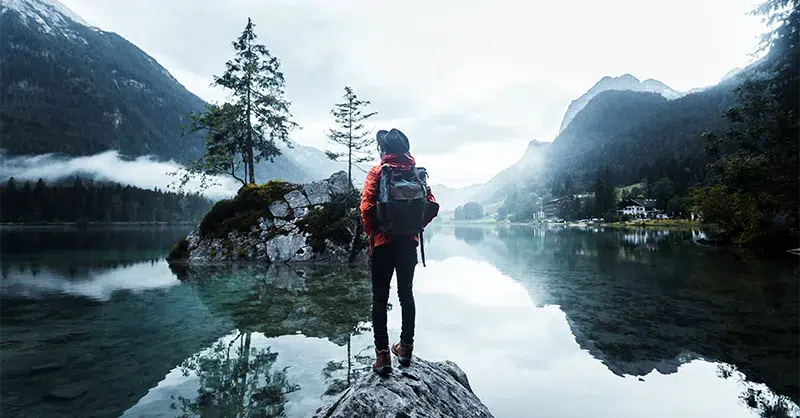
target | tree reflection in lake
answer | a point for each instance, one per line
(470, 235)
(759, 397)
(331, 302)
(639, 300)
(242, 385)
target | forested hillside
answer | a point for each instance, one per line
(640, 136)
(77, 90)
(89, 201)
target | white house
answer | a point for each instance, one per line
(642, 209)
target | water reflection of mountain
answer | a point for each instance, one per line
(89, 357)
(655, 306)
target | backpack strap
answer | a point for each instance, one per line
(422, 248)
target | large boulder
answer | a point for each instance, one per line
(318, 192)
(339, 183)
(280, 222)
(425, 389)
(296, 199)
(279, 209)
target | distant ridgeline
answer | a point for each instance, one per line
(91, 201)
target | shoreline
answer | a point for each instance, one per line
(17, 225)
(629, 224)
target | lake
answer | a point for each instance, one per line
(545, 322)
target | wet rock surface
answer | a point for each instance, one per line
(425, 389)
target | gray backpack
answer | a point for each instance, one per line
(402, 201)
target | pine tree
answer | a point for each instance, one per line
(351, 133)
(244, 132)
(604, 193)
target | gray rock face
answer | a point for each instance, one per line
(339, 183)
(300, 212)
(318, 192)
(296, 199)
(283, 248)
(279, 240)
(425, 389)
(279, 209)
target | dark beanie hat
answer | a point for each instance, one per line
(393, 141)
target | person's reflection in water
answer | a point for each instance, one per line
(235, 380)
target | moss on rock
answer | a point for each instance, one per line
(334, 221)
(240, 213)
(180, 251)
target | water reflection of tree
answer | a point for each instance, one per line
(637, 309)
(766, 403)
(332, 302)
(75, 267)
(238, 384)
(342, 299)
(470, 235)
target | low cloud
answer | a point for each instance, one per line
(144, 172)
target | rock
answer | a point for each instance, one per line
(279, 209)
(339, 183)
(333, 254)
(68, 392)
(296, 199)
(305, 253)
(288, 226)
(264, 224)
(276, 236)
(283, 248)
(425, 389)
(300, 212)
(318, 192)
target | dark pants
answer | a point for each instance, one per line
(399, 255)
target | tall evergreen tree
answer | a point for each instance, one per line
(604, 193)
(754, 185)
(351, 133)
(246, 130)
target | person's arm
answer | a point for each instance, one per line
(369, 199)
(432, 210)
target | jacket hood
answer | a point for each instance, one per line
(402, 161)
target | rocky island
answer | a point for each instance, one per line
(425, 389)
(280, 222)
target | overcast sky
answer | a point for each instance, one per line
(470, 82)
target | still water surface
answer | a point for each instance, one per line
(545, 322)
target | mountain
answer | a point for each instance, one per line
(317, 165)
(640, 135)
(75, 89)
(517, 175)
(624, 82)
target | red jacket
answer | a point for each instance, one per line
(369, 198)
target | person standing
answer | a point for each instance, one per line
(396, 205)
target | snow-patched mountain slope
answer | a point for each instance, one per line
(73, 89)
(49, 15)
(86, 91)
(624, 82)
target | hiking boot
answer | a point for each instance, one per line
(403, 353)
(383, 362)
